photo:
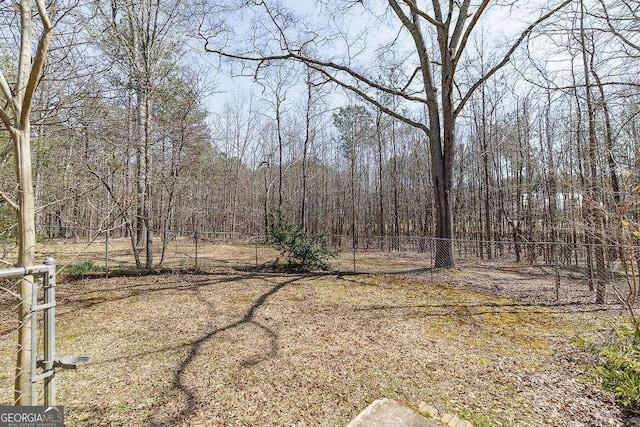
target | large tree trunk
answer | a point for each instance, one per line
(147, 123)
(442, 152)
(441, 176)
(143, 185)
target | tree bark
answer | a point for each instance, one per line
(15, 115)
(380, 180)
(595, 215)
(26, 257)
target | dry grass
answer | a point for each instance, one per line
(251, 348)
(524, 282)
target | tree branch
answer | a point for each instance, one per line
(38, 62)
(459, 48)
(462, 17)
(616, 32)
(425, 61)
(507, 56)
(6, 120)
(370, 99)
(437, 10)
(44, 15)
(9, 200)
(413, 76)
(414, 9)
(6, 91)
(289, 55)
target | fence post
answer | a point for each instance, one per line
(256, 236)
(195, 236)
(50, 331)
(34, 341)
(554, 248)
(106, 253)
(432, 245)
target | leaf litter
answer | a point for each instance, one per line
(256, 348)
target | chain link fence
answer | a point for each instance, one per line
(27, 334)
(536, 272)
(549, 272)
(9, 326)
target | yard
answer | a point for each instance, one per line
(248, 346)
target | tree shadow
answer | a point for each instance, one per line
(478, 309)
(85, 298)
(195, 348)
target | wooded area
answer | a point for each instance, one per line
(488, 121)
(441, 126)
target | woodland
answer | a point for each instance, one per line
(479, 120)
(483, 120)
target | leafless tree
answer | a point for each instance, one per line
(439, 35)
(17, 91)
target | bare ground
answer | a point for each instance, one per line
(256, 348)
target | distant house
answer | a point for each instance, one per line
(564, 201)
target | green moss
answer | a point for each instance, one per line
(478, 419)
(68, 336)
(119, 407)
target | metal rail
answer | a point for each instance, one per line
(47, 272)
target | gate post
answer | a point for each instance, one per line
(49, 285)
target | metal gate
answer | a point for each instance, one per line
(44, 369)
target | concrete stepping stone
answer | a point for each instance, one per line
(389, 413)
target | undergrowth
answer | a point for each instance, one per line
(81, 267)
(304, 252)
(617, 368)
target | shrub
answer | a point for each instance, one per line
(79, 268)
(618, 364)
(303, 252)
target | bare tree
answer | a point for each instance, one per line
(142, 41)
(16, 118)
(354, 124)
(277, 84)
(313, 98)
(593, 189)
(430, 77)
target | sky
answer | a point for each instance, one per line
(499, 25)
